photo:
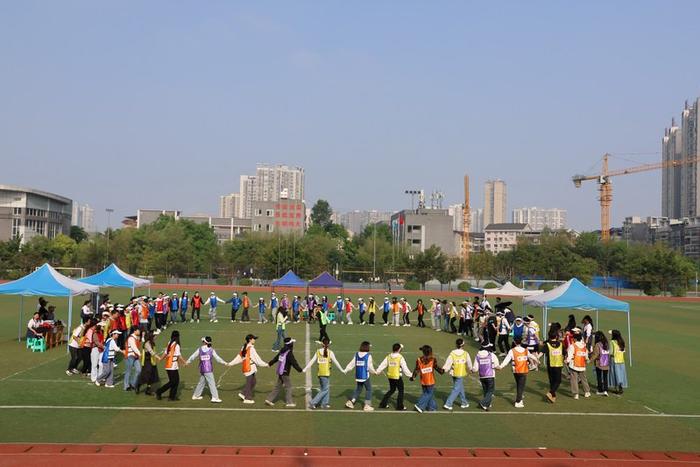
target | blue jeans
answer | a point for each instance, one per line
(489, 386)
(280, 339)
(261, 316)
(368, 387)
(457, 390)
(426, 400)
(132, 363)
(324, 394)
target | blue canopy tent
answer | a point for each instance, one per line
(326, 281)
(46, 281)
(289, 280)
(112, 276)
(574, 294)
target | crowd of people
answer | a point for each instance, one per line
(130, 330)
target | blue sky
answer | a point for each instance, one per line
(163, 104)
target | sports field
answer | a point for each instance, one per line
(660, 411)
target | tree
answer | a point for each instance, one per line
(481, 264)
(427, 264)
(450, 272)
(77, 233)
(321, 213)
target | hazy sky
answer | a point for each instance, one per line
(164, 104)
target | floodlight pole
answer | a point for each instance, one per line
(109, 212)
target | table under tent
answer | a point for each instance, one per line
(575, 295)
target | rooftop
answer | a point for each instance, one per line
(33, 191)
(506, 226)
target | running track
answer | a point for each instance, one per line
(72, 455)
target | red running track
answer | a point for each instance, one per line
(151, 455)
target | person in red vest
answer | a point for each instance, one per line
(196, 306)
(520, 358)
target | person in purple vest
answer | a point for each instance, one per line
(485, 363)
(206, 355)
(285, 361)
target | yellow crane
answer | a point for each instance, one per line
(466, 223)
(605, 185)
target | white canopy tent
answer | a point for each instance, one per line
(510, 290)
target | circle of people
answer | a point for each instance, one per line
(130, 330)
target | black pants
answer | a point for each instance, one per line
(233, 314)
(195, 313)
(85, 358)
(503, 344)
(453, 328)
(520, 379)
(421, 324)
(385, 315)
(172, 384)
(554, 374)
(394, 385)
(405, 319)
(371, 318)
(244, 316)
(74, 358)
(160, 320)
(323, 332)
(602, 376)
(469, 331)
(362, 317)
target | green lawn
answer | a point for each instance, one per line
(664, 380)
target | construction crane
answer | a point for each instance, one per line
(466, 224)
(605, 185)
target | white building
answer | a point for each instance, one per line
(83, 216)
(476, 216)
(495, 202)
(356, 221)
(247, 195)
(27, 212)
(274, 179)
(230, 205)
(503, 237)
(540, 218)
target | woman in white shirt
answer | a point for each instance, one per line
(173, 359)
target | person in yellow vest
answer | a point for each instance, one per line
(457, 364)
(324, 356)
(553, 351)
(133, 360)
(617, 377)
(250, 360)
(395, 366)
(173, 360)
(520, 358)
(577, 357)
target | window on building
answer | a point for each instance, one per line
(16, 227)
(270, 213)
(258, 212)
(416, 241)
(17, 211)
(270, 227)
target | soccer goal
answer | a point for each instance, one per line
(73, 273)
(534, 284)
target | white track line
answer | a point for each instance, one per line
(346, 411)
(32, 367)
(307, 356)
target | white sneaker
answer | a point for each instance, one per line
(192, 321)
(248, 401)
(216, 401)
(291, 406)
(349, 404)
(418, 409)
(605, 393)
(215, 321)
(519, 405)
(368, 408)
(575, 396)
(69, 373)
(439, 330)
(588, 394)
(464, 406)
(385, 324)
(240, 394)
(196, 398)
(447, 407)
(271, 404)
(109, 386)
(97, 383)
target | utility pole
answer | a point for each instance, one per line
(109, 212)
(374, 254)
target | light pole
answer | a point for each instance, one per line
(413, 194)
(374, 254)
(109, 212)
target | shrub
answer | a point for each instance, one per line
(678, 291)
(411, 285)
(160, 279)
(651, 290)
(464, 286)
(490, 285)
(222, 280)
(245, 282)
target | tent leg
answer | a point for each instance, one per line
(597, 321)
(70, 319)
(21, 313)
(629, 336)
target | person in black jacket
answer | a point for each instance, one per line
(285, 361)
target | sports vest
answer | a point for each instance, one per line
(213, 301)
(197, 302)
(324, 363)
(459, 364)
(361, 370)
(427, 377)
(556, 355)
(485, 363)
(108, 353)
(339, 305)
(393, 366)
(174, 304)
(170, 356)
(205, 365)
(618, 355)
(246, 302)
(273, 303)
(604, 359)
(282, 363)
(518, 330)
(137, 343)
(246, 367)
(580, 354)
(520, 360)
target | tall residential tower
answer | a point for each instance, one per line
(495, 202)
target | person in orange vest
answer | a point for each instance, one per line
(520, 358)
(576, 358)
(246, 307)
(426, 366)
(395, 312)
(196, 306)
(133, 360)
(250, 360)
(173, 360)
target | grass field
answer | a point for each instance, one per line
(660, 411)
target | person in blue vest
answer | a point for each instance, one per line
(295, 308)
(213, 301)
(386, 307)
(274, 304)
(152, 313)
(206, 354)
(262, 306)
(184, 302)
(519, 329)
(362, 308)
(338, 310)
(236, 303)
(174, 308)
(362, 363)
(108, 356)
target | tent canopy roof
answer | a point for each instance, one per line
(112, 276)
(573, 294)
(325, 280)
(47, 281)
(289, 280)
(509, 290)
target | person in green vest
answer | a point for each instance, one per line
(324, 356)
(281, 320)
(323, 321)
(457, 364)
(395, 366)
(553, 351)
